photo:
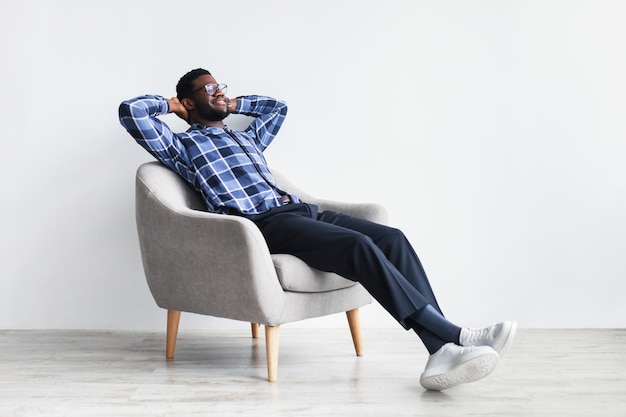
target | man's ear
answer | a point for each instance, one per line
(188, 103)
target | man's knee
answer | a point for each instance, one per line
(393, 236)
(359, 240)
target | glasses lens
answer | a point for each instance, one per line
(212, 88)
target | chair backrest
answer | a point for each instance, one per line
(168, 186)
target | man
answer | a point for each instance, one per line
(228, 168)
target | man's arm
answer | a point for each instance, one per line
(139, 118)
(269, 115)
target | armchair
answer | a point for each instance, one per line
(219, 265)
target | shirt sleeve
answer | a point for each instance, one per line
(269, 115)
(139, 118)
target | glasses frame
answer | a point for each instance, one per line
(212, 89)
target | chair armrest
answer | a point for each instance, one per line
(370, 211)
(206, 263)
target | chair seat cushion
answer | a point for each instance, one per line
(296, 276)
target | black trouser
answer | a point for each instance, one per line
(377, 256)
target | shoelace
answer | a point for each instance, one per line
(476, 335)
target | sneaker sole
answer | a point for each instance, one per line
(468, 371)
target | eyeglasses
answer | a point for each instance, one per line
(213, 88)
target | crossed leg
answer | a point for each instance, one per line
(384, 262)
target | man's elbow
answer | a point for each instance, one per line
(282, 106)
(124, 110)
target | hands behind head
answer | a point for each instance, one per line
(177, 107)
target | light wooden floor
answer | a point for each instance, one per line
(222, 373)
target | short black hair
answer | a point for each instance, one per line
(184, 88)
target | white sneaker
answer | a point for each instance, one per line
(499, 336)
(453, 365)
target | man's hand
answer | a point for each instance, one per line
(177, 107)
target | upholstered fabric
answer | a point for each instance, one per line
(219, 265)
(295, 275)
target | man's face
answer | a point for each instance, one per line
(210, 107)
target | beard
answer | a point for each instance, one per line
(209, 113)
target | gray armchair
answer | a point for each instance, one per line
(219, 265)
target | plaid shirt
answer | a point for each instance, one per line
(226, 166)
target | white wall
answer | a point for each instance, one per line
(494, 132)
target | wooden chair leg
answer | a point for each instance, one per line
(255, 330)
(354, 322)
(272, 340)
(173, 319)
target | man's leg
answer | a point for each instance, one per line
(354, 255)
(349, 253)
(429, 322)
(396, 247)
(401, 254)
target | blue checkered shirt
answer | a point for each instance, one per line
(226, 166)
